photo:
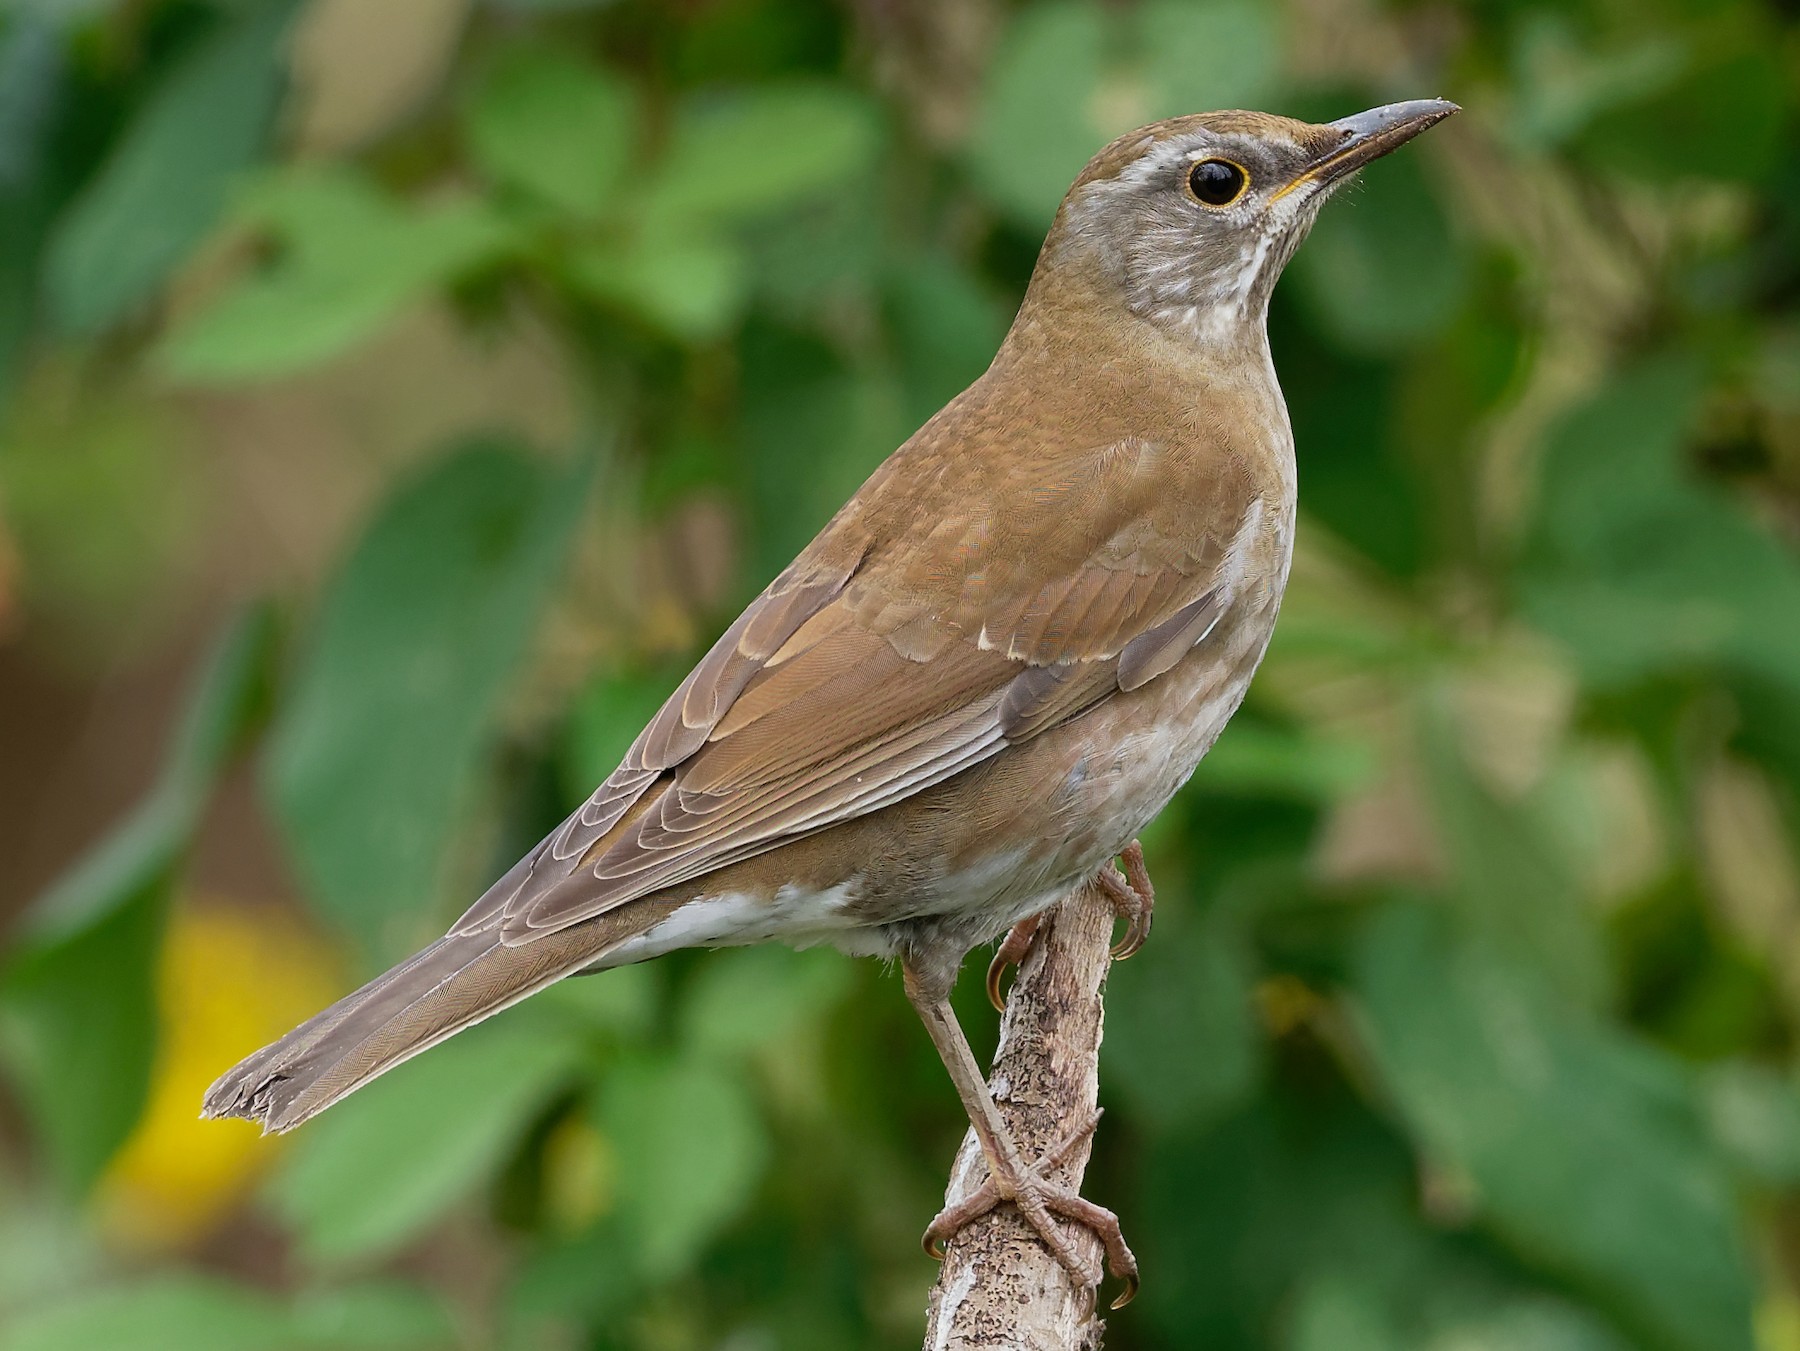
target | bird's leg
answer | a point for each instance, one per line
(1010, 1178)
(1132, 897)
(1011, 952)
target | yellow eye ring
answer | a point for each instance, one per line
(1218, 183)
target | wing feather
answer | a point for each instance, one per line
(849, 686)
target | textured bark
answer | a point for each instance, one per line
(999, 1286)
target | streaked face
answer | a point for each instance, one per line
(1195, 218)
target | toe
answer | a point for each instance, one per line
(1012, 950)
(1132, 897)
(951, 1219)
(1032, 1206)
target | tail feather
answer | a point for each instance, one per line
(442, 989)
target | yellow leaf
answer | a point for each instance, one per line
(232, 977)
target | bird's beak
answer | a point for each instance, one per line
(1369, 136)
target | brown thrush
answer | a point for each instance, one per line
(989, 671)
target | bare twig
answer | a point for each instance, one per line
(1000, 1286)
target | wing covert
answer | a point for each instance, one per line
(845, 688)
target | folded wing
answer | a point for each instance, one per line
(844, 688)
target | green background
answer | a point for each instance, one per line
(394, 398)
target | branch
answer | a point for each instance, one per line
(999, 1286)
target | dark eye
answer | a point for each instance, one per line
(1217, 182)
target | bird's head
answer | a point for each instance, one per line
(1192, 219)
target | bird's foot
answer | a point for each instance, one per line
(1039, 1200)
(1132, 897)
(1133, 900)
(1011, 952)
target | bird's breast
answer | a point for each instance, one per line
(1147, 744)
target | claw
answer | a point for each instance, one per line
(1011, 952)
(1129, 1293)
(1132, 897)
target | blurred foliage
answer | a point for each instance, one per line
(1470, 1019)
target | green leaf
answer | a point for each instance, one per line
(1255, 758)
(1612, 465)
(355, 258)
(392, 707)
(1301, 1179)
(78, 1028)
(77, 996)
(1071, 75)
(165, 1313)
(180, 1312)
(1362, 488)
(690, 1150)
(1037, 125)
(608, 715)
(692, 287)
(732, 157)
(1183, 1044)
(169, 179)
(811, 431)
(624, 1002)
(1723, 120)
(554, 127)
(1637, 565)
(1585, 1149)
(1456, 1303)
(945, 327)
(372, 1316)
(593, 1276)
(1343, 1313)
(1381, 270)
(825, 253)
(47, 1247)
(1530, 1323)
(385, 1163)
(33, 94)
(1513, 884)
(228, 701)
(1213, 54)
(1754, 1114)
(1560, 87)
(749, 998)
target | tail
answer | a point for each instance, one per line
(453, 984)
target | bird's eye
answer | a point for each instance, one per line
(1217, 182)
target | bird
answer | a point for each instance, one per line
(980, 681)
